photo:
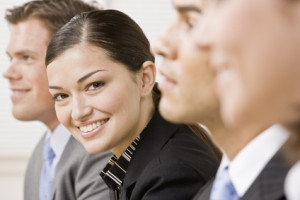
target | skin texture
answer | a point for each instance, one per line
(185, 70)
(26, 74)
(188, 82)
(188, 89)
(100, 89)
(253, 48)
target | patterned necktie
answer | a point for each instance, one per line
(223, 188)
(46, 173)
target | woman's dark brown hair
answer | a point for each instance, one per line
(115, 32)
(121, 38)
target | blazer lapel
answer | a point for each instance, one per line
(153, 138)
(204, 192)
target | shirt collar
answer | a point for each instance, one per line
(58, 140)
(114, 172)
(254, 157)
(292, 182)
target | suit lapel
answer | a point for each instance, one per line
(39, 162)
(33, 171)
(268, 185)
(62, 161)
(270, 182)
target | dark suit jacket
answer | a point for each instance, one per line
(76, 174)
(170, 162)
(267, 186)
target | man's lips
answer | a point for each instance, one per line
(166, 82)
(18, 94)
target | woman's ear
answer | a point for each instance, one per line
(148, 77)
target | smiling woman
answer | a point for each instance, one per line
(101, 75)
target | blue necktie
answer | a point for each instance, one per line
(223, 188)
(46, 174)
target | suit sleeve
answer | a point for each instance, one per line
(89, 185)
(168, 181)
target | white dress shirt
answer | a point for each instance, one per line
(249, 162)
(58, 141)
(292, 183)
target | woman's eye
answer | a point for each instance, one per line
(59, 97)
(95, 85)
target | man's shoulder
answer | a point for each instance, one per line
(75, 151)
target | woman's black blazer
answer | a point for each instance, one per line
(169, 163)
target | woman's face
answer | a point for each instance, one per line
(96, 98)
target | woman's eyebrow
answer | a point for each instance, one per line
(79, 80)
(88, 75)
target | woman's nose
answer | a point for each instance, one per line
(80, 109)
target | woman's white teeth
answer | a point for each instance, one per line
(92, 126)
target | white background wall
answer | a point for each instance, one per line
(17, 139)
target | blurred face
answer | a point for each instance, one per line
(187, 84)
(27, 72)
(96, 98)
(254, 48)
